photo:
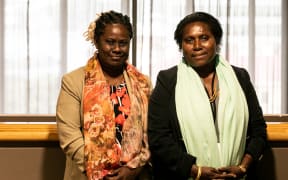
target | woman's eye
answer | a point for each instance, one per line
(110, 42)
(189, 40)
(204, 38)
(123, 43)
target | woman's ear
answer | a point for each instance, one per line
(96, 44)
(218, 48)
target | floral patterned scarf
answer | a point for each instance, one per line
(102, 153)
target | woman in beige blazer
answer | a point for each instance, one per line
(102, 108)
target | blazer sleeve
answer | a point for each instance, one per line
(256, 134)
(163, 143)
(68, 118)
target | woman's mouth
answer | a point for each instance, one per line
(199, 56)
(116, 57)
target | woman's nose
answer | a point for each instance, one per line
(197, 45)
(116, 47)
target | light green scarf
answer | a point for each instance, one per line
(196, 119)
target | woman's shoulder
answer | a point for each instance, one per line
(74, 79)
(169, 73)
(168, 77)
(241, 74)
(239, 70)
(78, 73)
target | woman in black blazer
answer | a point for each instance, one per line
(204, 118)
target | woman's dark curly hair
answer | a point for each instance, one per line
(111, 17)
(213, 24)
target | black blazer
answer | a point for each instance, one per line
(170, 159)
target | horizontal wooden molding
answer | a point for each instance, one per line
(277, 131)
(48, 132)
(28, 132)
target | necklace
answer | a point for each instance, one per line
(213, 97)
(214, 90)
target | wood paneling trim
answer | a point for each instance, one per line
(48, 132)
(28, 132)
(277, 132)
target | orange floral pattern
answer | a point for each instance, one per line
(103, 151)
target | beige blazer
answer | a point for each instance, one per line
(69, 118)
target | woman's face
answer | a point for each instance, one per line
(198, 44)
(113, 46)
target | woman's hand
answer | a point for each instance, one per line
(238, 171)
(124, 173)
(235, 170)
(211, 173)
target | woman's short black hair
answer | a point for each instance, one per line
(112, 17)
(212, 22)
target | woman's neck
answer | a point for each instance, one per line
(114, 80)
(209, 78)
(205, 71)
(114, 76)
(112, 72)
